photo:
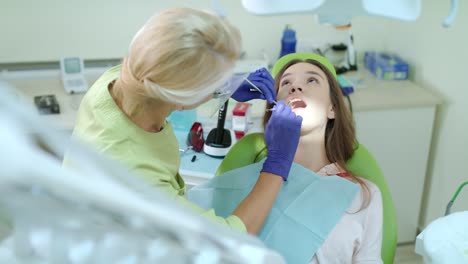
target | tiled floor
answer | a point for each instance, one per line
(405, 255)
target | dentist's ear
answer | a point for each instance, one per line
(331, 112)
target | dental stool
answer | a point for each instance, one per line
(251, 148)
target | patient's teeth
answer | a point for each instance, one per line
(290, 102)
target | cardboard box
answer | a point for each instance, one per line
(386, 66)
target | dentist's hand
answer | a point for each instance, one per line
(281, 137)
(263, 80)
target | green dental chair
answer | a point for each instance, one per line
(251, 149)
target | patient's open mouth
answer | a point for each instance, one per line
(296, 103)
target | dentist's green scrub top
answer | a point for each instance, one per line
(152, 156)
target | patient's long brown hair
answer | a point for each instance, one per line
(340, 134)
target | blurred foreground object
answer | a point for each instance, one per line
(445, 240)
(96, 212)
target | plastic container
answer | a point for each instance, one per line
(241, 118)
(288, 41)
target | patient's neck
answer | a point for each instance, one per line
(311, 152)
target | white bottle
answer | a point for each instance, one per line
(351, 52)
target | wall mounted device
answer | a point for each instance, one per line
(72, 72)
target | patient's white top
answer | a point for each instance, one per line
(357, 238)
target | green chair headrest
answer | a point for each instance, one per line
(303, 56)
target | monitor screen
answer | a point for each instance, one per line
(72, 65)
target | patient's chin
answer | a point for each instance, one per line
(312, 125)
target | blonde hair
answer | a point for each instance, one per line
(179, 49)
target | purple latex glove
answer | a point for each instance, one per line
(263, 80)
(281, 137)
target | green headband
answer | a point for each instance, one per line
(302, 56)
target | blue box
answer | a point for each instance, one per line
(386, 66)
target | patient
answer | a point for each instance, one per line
(307, 82)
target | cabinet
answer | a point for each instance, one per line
(399, 140)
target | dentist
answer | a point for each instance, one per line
(178, 60)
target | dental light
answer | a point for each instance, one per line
(337, 12)
(340, 12)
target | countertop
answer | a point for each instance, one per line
(370, 94)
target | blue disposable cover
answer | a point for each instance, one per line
(306, 209)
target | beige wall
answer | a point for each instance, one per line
(48, 29)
